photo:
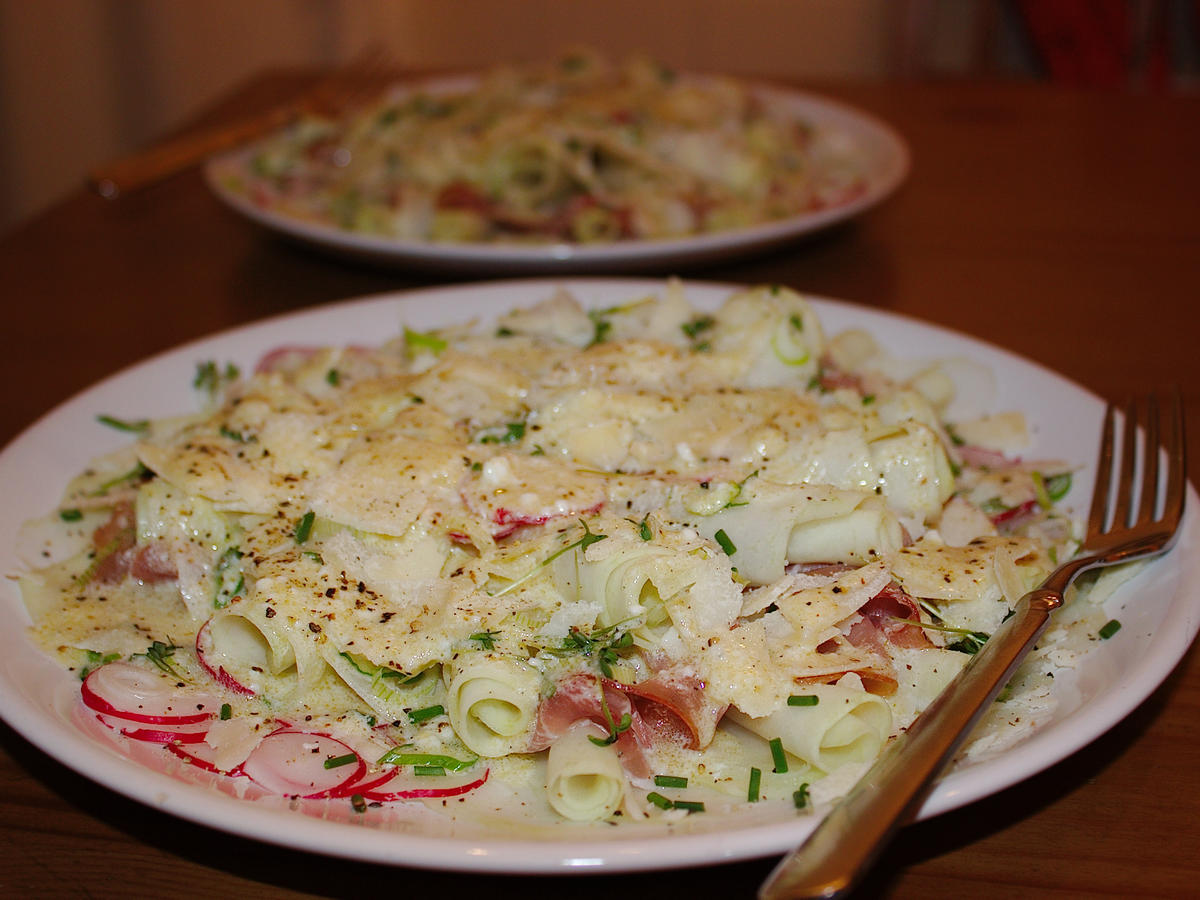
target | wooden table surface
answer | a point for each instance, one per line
(1063, 226)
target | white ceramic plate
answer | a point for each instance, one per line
(886, 164)
(39, 699)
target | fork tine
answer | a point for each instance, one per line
(1126, 483)
(1150, 454)
(1176, 460)
(1098, 515)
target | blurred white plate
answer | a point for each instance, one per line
(885, 159)
(40, 700)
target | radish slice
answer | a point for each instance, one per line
(364, 785)
(184, 734)
(169, 738)
(411, 791)
(284, 358)
(129, 692)
(201, 756)
(514, 490)
(292, 763)
(204, 648)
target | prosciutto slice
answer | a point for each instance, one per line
(584, 696)
(886, 612)
(118, 554)
(670, 707)
(675, 703)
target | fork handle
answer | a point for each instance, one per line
(888, 796)
(170, 157)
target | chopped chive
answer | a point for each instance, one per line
(689, 805)
(778, 756)
(70, 515)
(971, 642)
(512, 433)
(398, 757)
(723, 540)
(868, 399)
(803, 700)
(314, 556)
(336, 762)
(209, 376)
(695, 326)
(95, 659)
(304, 529)
(428, 770)
(659, 800)
(135, 425)
(800, 796)
(993, 506)
(333, 377)
(137, 472)
(359, 803)
(486, 639)
(670, 781)
(417, 716)
(424, 340)
(644, 531)
(1057, 486)
(755, 784)
(226, 712)
(1111, 627)
(228, 432)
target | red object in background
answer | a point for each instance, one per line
(1098, 43)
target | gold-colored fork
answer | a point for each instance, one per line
(1137, 508)
(343, 89)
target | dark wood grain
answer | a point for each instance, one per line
(1061, 225)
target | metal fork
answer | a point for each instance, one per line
(1132, 516)
(339, 91)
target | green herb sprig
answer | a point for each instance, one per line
(160, 655)
(582, 544)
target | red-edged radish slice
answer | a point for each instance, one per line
(202, 756)
(185, 734)
(292, 763)
(363, 785)
(514, 490)
(204, 649)
(286, 357)
(412, 791)
(129, 692)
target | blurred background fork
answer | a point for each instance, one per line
(342, 89)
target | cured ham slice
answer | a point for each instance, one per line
(670, 707)
(675, 700)
(886, 610)
(583, 696)
(118, 555)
